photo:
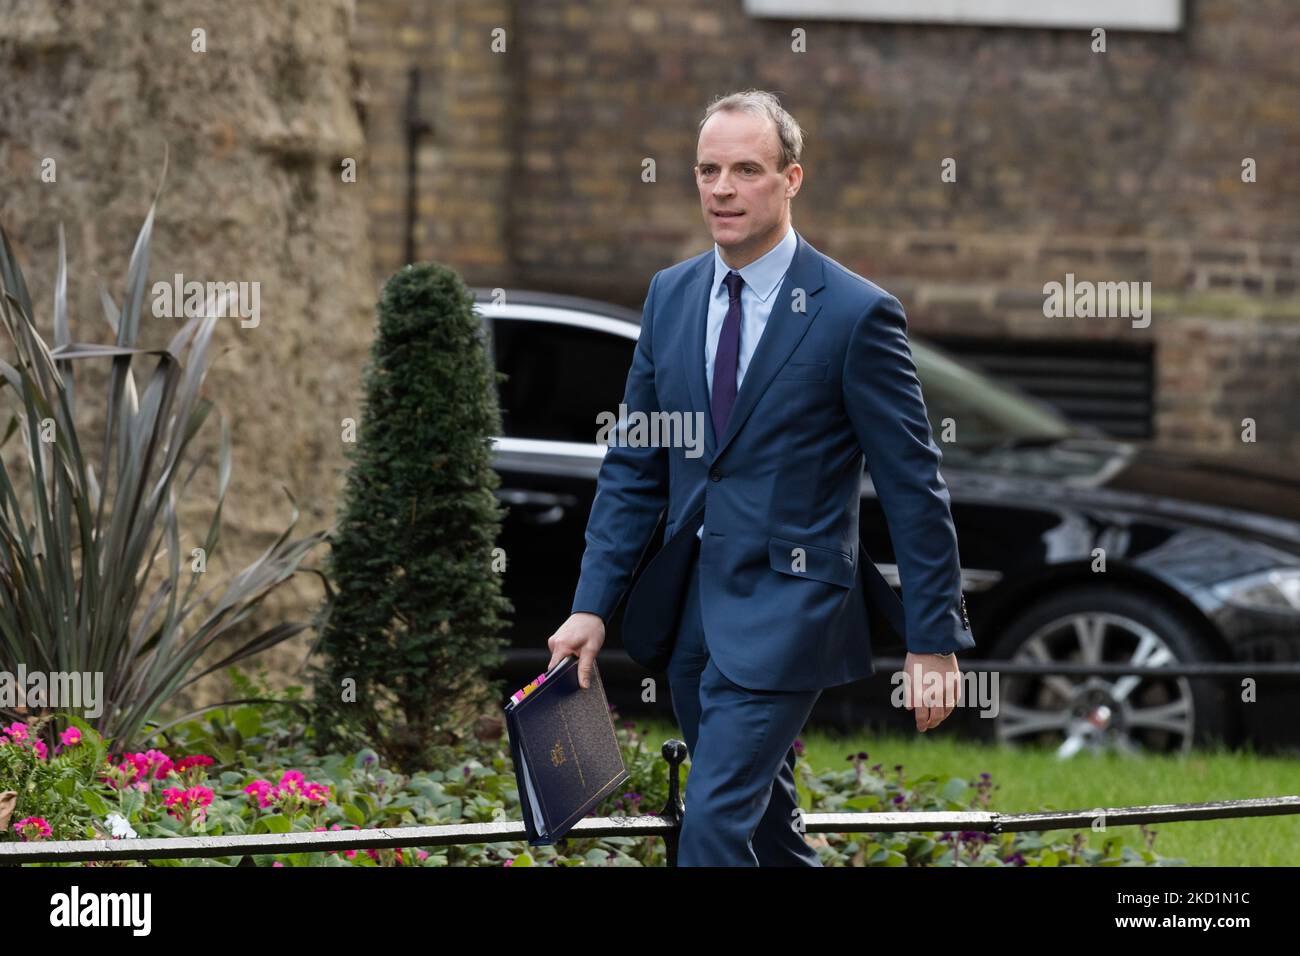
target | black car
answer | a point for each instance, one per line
(1074, 547)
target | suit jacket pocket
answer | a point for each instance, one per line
(802, 372)
(806, 561)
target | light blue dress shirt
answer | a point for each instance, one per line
(762, 278)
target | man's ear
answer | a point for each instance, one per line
(796, 180)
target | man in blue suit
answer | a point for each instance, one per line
(761, 595)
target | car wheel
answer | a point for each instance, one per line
(1129, 714)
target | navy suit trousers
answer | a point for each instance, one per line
(740, 796)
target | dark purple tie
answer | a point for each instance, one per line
(724, 360)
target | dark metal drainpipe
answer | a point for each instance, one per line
(416, 127)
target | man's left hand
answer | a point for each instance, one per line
(931, 698)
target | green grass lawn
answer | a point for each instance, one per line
(1030, 780)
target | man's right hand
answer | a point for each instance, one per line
(582, 634)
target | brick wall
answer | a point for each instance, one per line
(464, 95)
(1122, 166)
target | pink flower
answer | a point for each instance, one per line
(319, 792)
(261, 789)
(22, 738)
(277, 863)
(198, 760)
(70, 737)
(291, 788)
(194, 796)
(33, 828)
(138, 770)
(152, 764)
(193, 802)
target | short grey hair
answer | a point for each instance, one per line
(761, 103)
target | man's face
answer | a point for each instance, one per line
(744, 198)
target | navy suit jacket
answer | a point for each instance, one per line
(788, 598)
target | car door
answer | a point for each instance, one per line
(563, 367)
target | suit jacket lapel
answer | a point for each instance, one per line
(785, 328)
(695, 306)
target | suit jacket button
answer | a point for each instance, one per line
(714, 476)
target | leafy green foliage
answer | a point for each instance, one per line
(475, 783)
(63, 790)
(78, 548)
(874, 789)
(419, 613)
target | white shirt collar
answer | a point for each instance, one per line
(765, 273)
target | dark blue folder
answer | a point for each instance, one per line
(566, 754)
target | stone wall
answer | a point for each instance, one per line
(258, 128)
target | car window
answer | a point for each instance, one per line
(560, 377)
(985, 411)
